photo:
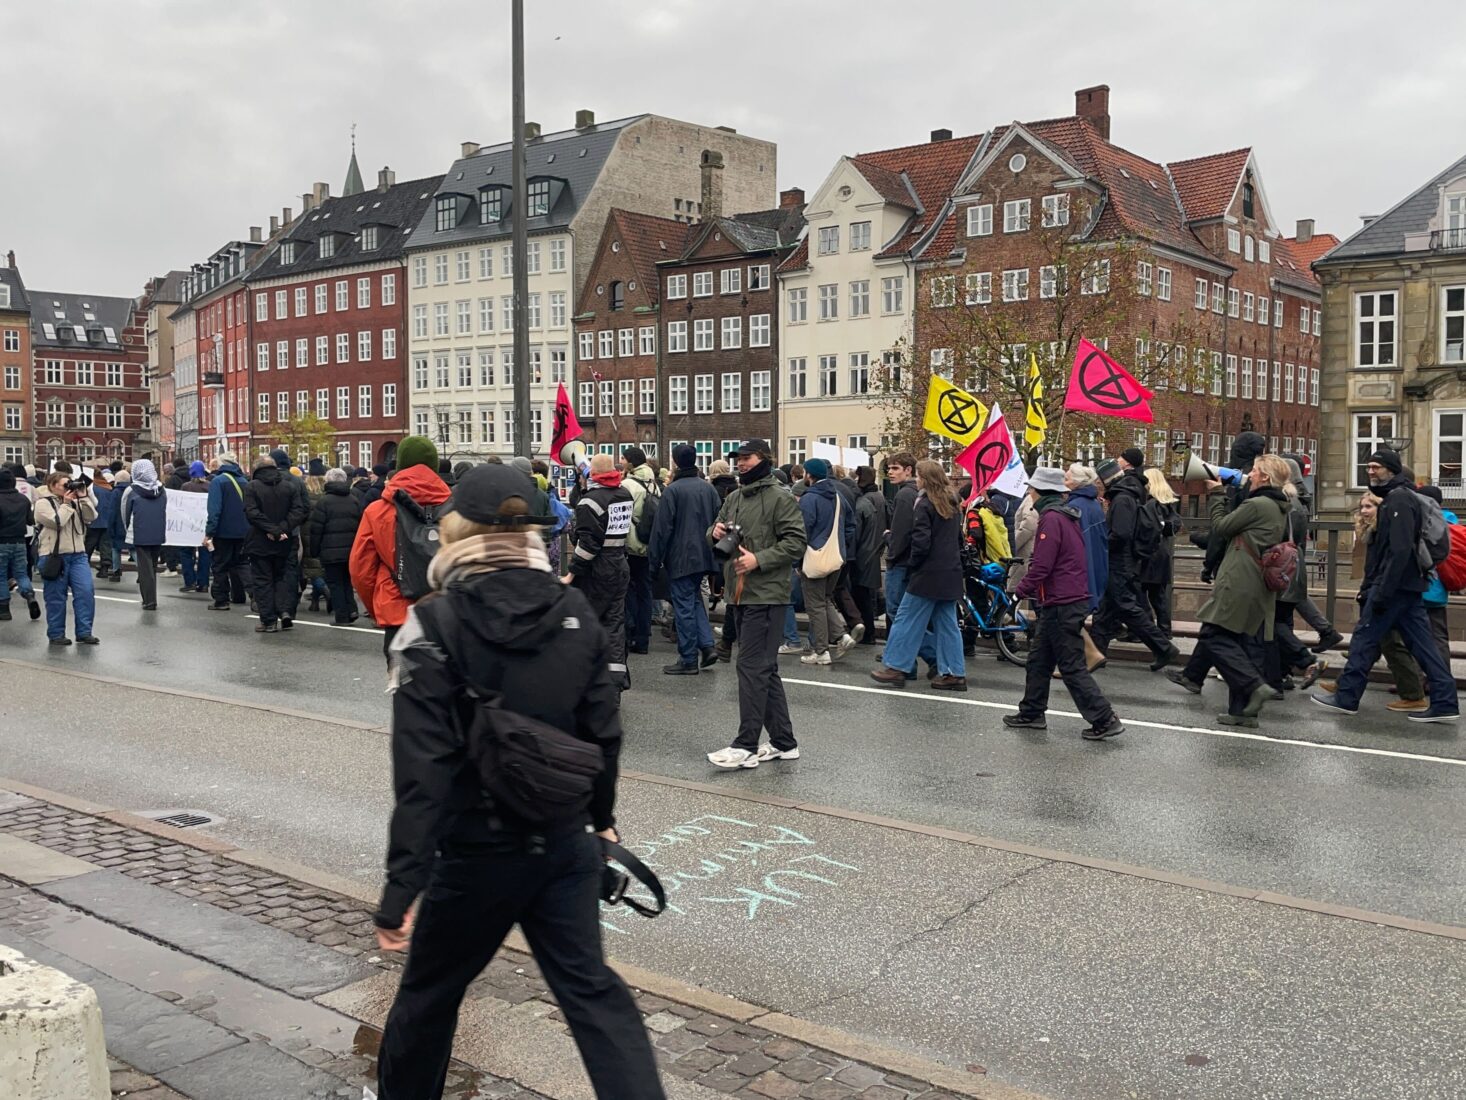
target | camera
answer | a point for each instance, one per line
(728, 546)
(78, 484)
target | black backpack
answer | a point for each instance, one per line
(417, 542)
(1150, 528)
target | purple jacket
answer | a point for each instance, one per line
(1058, 572)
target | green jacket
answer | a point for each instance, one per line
(1240, 602)
(773, 529)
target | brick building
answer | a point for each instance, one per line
(164, 295)
(720, 347)
(17, 423)
(1053, 232)
(90, 360)
(329, 319)
(616, 326)
(214, 293)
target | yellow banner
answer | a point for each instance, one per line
(1036, 424)
(953, 412)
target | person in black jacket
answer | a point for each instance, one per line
(274, 507)
(901, 472)
(496, 622)
(598, 567)
(1124, 601)
(330, 533)
(679, 545)
(16, 518)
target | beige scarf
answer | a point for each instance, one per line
(468, 557)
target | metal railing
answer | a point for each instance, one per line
(1330, 545)
(1447, 240)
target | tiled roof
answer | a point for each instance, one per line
(930, 171)
(60, 313)
(1314, 249)
(890, 185)
(1206, 184)
(396, 211)
(1412, 214)
(649, 240)
(785, 222)
(798, 260)
(1291, 260)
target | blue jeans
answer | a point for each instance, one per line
(76, 578)
(194, 561)
(691, 616)
(1405, 613)
(791, 621)
(909, 634)
(13, 563)
(896, 576)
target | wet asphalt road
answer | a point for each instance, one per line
(1368, 812)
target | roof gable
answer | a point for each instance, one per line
(639, 241)
(992, 150)
(1207, 186)
(1411, 215)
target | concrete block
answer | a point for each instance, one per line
(51, 1044)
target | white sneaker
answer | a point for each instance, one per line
(766, 751)
(733, 758)
(787, 650)
(816, 658)
(844, 646)
(857, 632)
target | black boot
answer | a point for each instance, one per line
(315, 603)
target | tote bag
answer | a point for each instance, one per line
(826, 560)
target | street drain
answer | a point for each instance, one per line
(181, 819)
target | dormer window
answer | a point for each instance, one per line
(539, 199)
(287, 252)
(447, 212)
(1456, 211)
(369, 238)
(326, 245)
(490, 205)
(1248, 195)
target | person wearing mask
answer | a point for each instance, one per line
(1241, 604)
(194, 561)
(1057, 581)
(598, 567)
(871, 519)
(144, 510)
(826, 516)
(64, 516)
(933, 587)
(16, 521)
(274, 509)
(224, 534)
(679, 545)
(756, 577)
(1391, 598)
(373, 559)
(1157, 573)
(497, 626)
(330, 533)
(1123, 604)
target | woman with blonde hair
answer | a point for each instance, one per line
(1157, 572)
(933, 587)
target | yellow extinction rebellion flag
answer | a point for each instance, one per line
(1035, 423)
(953, 412)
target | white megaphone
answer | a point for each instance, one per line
(1197, 470)
(573, 454)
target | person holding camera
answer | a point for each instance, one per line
(759, 535)
(64, 510)
(497, 626)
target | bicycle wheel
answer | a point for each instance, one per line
(1015, 645)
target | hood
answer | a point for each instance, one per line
(1245, 448)
(825, 488)
(1089, 492)
(609, 479)
(515, 608)
(420, 483)
(230, 468)
(685, 472)
(1130, 483)
(340, 488)
(270, 475)
(644, 472)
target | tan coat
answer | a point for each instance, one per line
(63, 524)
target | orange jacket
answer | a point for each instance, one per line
(374, 553)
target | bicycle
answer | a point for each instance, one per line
(991, 608)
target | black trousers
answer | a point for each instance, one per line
(100, 540)
(1059, 642)
(865, 603)
(637, 606)
(1238, 657)
(147, 573)
(1124, 606)
(761, 701)
(272, 586)
(338, 583)
(606, 587)
(1292, 653)
(1158, 597)
(230, 579)
(292, 573)
(471, 902)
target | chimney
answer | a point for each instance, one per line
(386, 178)
(322, 192)
(726, 129)
(307, 200)
(1305, 230)
(712, 185)
(1093, 104)
(469, 148)
(10, 259)
(274, 224)
(531, 131)
(941, 135)
(584, 119)
(792, 197)
(286, 215)
(255, 234)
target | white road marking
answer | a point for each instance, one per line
(329, 626)
(118, 599)
(1360, 750)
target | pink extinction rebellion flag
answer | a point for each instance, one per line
(1101, 386)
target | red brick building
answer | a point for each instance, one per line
(1054, 232)
(17, 421)
(214, 291)
(329, 320)
(616, 326)
(90, 357)
(720, 345)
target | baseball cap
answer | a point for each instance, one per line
(757, 447)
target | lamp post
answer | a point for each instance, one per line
(520, 216)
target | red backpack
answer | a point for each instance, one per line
(1452, 571)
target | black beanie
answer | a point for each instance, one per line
(1135, 456)
(1389, 459)
(684, 456)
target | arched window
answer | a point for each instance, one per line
(618, 295)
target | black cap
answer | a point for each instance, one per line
(757, 447)
(482, 491)
(634, 455)
(684, 456)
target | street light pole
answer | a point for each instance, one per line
(519, 212)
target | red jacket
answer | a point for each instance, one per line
(374, 553)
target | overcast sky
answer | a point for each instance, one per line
(140, 135)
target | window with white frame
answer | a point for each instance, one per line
(1234, 240)
(1234, 299)
(282, 406)
(944, 290)
(829, 375)
(893, 294)
(758, 277)
(1370, 432)
(1015, 285)
(676, 336)
(1144, 278)
(829, 240)
(608, 398)
(343, 295)
(677, 286)
(1200, 293)
(626, 396)
(1248, 310)
(557, 255)
(730, 280)
(262, 408)
(364, 293)
(646, 340)
(732, 393)
(302, 301)
(797, 375)
(1218, 298)
(1262, 313)
(1277, 313)
(732, 332)
(798, 305)
(607, 344)
(1303, 319)
(760, 391)
(465, 370)
(343, 402)
(1302, 384)
(587, 399)
(419, 322)
(587, 346)
(860, 297)
(343, 347)
(1231, 376)
(1216, 372)
(759, 331)
(389, 398)
(419, 271)
(440, 371)
(506, 261)
(1163, 284)
(702, 284)
(1262, 381)
(702, 334)
(282, 354)
(1317, 322)
(980, 220)
(1056, 211)
(859, 372)
(1246, 378)
(302, 352)
(941, 361)
(647, 389)
(323, 350)
(626, 342)
(1048, 281)
(1016, 215)
(1374, 328)
(262, 306)
(860, 236)
(364, 401)
(979, 288)
(1096, 277)
(1247, 246)
(702, 393)
(1313, 384)
(557, 309)
(262, 356)
(829, 301)
(1288, 382)
(364, 346)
